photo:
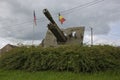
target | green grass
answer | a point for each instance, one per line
(50, 75)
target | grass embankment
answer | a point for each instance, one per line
(52, 75)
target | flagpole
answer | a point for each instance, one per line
(34, 24)
(33, 34)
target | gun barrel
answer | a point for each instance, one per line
(48, 15)
(53, 27)
(57, 32)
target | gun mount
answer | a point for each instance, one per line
(56, 36)
(52, 26)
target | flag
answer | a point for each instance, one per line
(34, 18)
(61, 19)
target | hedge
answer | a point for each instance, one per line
(64, 58)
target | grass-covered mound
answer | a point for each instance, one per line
(64, 58)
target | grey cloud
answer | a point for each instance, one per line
(98, 16)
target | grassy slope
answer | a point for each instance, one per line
(49, 75)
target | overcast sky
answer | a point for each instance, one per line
(16, 19)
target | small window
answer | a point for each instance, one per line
(74, 34)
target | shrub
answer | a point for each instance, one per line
(63, 58)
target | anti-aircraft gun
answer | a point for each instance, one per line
(53, 27)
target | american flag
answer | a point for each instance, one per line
(34, 18)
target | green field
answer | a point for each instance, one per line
(50, 75)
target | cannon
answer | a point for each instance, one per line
(56, 36)
(53, 27)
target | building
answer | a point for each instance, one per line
(7, 48)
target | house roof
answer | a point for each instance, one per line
(7, 48)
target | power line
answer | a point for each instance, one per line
(82, 6)
(30, 21)
(115, 34)
(79, 6)
(20, 23)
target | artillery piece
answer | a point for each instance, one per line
(56, 36)
(52, 26)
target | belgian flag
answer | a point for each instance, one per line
(61, 19)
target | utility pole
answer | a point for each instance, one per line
(91, 36)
